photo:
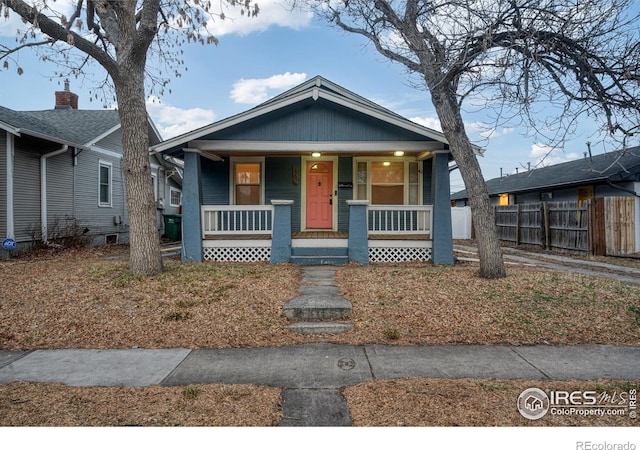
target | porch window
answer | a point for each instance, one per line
(388, 182)
(247, 178)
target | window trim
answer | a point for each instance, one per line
(109, 166)
(232, 175)
(406, 184)
(171, 191)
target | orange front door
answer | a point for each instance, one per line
(319, 194)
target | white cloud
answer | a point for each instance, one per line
(272, 12)
(545, 155)
(172, 121)
(256, 90)
(429, 122)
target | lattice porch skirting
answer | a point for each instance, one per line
(394, 254)
(236, 254)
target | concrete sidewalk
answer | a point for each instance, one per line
(317, 365)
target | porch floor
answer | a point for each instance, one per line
(318, 235)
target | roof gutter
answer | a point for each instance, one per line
(628, 191)
(43, 189)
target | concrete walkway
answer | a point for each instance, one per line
(559, 263)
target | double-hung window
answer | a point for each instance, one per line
(105, 182)
(248, 187)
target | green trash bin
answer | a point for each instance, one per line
(173, 227)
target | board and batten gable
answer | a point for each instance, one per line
(315, 121)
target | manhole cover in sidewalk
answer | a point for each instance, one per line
(346, 363)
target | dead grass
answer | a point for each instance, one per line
(420, 402)
(87, 299)
(82, 300)
(53, 404)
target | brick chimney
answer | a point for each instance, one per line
(66, 98)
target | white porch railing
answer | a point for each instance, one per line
(237, 219)
(399, 219)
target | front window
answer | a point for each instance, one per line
(104, 184)
(247, 178)
(388, 182)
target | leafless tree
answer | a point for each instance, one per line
(545, 63)
(121, 36)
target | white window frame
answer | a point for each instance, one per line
(109, 166)
(232, 175)
(405, 160)
(171, 191)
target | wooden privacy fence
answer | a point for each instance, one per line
(603, 226)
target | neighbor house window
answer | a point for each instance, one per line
(504, 199)
(248, 186)
(104, 183)
(388, 182)
(175, 197)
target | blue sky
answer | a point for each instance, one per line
(261, 57)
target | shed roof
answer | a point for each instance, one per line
(621, 165)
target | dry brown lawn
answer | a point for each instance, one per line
(88, 299)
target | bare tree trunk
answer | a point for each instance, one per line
(489, 250)
(145, 256)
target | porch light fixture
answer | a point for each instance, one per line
(386, 163)
(398, 153)
(316, 154)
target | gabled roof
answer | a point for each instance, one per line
(622, 165)
(68, 126)
(315, 88)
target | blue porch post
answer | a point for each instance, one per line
(358, 233)
(191, 205)
(442, 251)
(281, 239)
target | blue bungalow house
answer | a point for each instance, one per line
(317, 174)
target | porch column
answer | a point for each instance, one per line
(191, 206)
(281, 233)
(358, 233)
(441, 234)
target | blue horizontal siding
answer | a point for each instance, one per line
(215, 182)
(345, 175)
(280, 176)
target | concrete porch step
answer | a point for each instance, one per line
(320, 327)
(317, 307)
(319, 251)
(319, 260)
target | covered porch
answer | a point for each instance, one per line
(376, 233)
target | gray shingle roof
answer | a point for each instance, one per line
(620, 165)
(75, 126)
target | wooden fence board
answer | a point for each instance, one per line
(620, 225)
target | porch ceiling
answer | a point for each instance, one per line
(418, 149)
